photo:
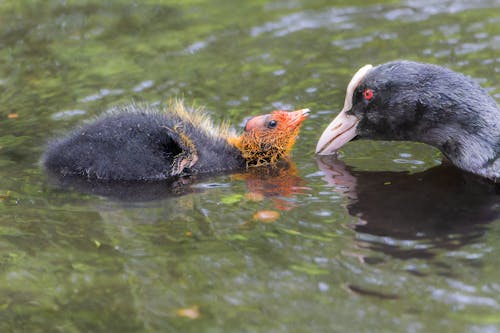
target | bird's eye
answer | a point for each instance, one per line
(272, 124)
(368, 94)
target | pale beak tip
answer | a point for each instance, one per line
(340, 131)
(320, 150)
(305, 112)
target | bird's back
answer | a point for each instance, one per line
(128, 145)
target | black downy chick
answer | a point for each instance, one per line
(143, 143)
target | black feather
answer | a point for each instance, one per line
(143, 143)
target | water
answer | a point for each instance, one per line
(382, 239)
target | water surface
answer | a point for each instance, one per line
(384, 238)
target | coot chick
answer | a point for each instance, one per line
(406, 100)
(143, 143)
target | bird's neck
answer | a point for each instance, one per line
(477, 153)
(258, 149)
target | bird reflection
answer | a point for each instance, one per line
(442, 204)
(279, 182)
(127, 191)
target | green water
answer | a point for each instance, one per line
(382, 240)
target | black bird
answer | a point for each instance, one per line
(405, 100)
(144, 143)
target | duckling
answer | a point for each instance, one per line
(141, 142)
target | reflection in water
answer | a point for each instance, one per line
(280, 183)
(441, 205)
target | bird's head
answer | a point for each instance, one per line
(268, 138)
(405, 100)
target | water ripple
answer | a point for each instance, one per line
(101, 94)
(342, 19)
(335, 17)
(143, 85)
(211, 185)
(352, 43)
(408, 161)
(200, 45)
(458, 298)
(67, 114)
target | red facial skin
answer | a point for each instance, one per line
(269, 138)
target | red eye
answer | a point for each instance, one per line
(368, 94)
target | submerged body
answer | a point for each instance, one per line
(412, 101)
(143, 143)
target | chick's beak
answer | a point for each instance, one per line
(297, 117)
(343, 128)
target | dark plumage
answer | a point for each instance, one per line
(143, 143)
(406, 100)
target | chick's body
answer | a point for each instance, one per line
(144, 143)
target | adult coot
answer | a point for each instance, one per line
(406, 100)
(143, 143)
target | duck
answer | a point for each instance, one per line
(422, 102)
(137, 142)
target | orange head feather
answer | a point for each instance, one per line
(268, 138)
